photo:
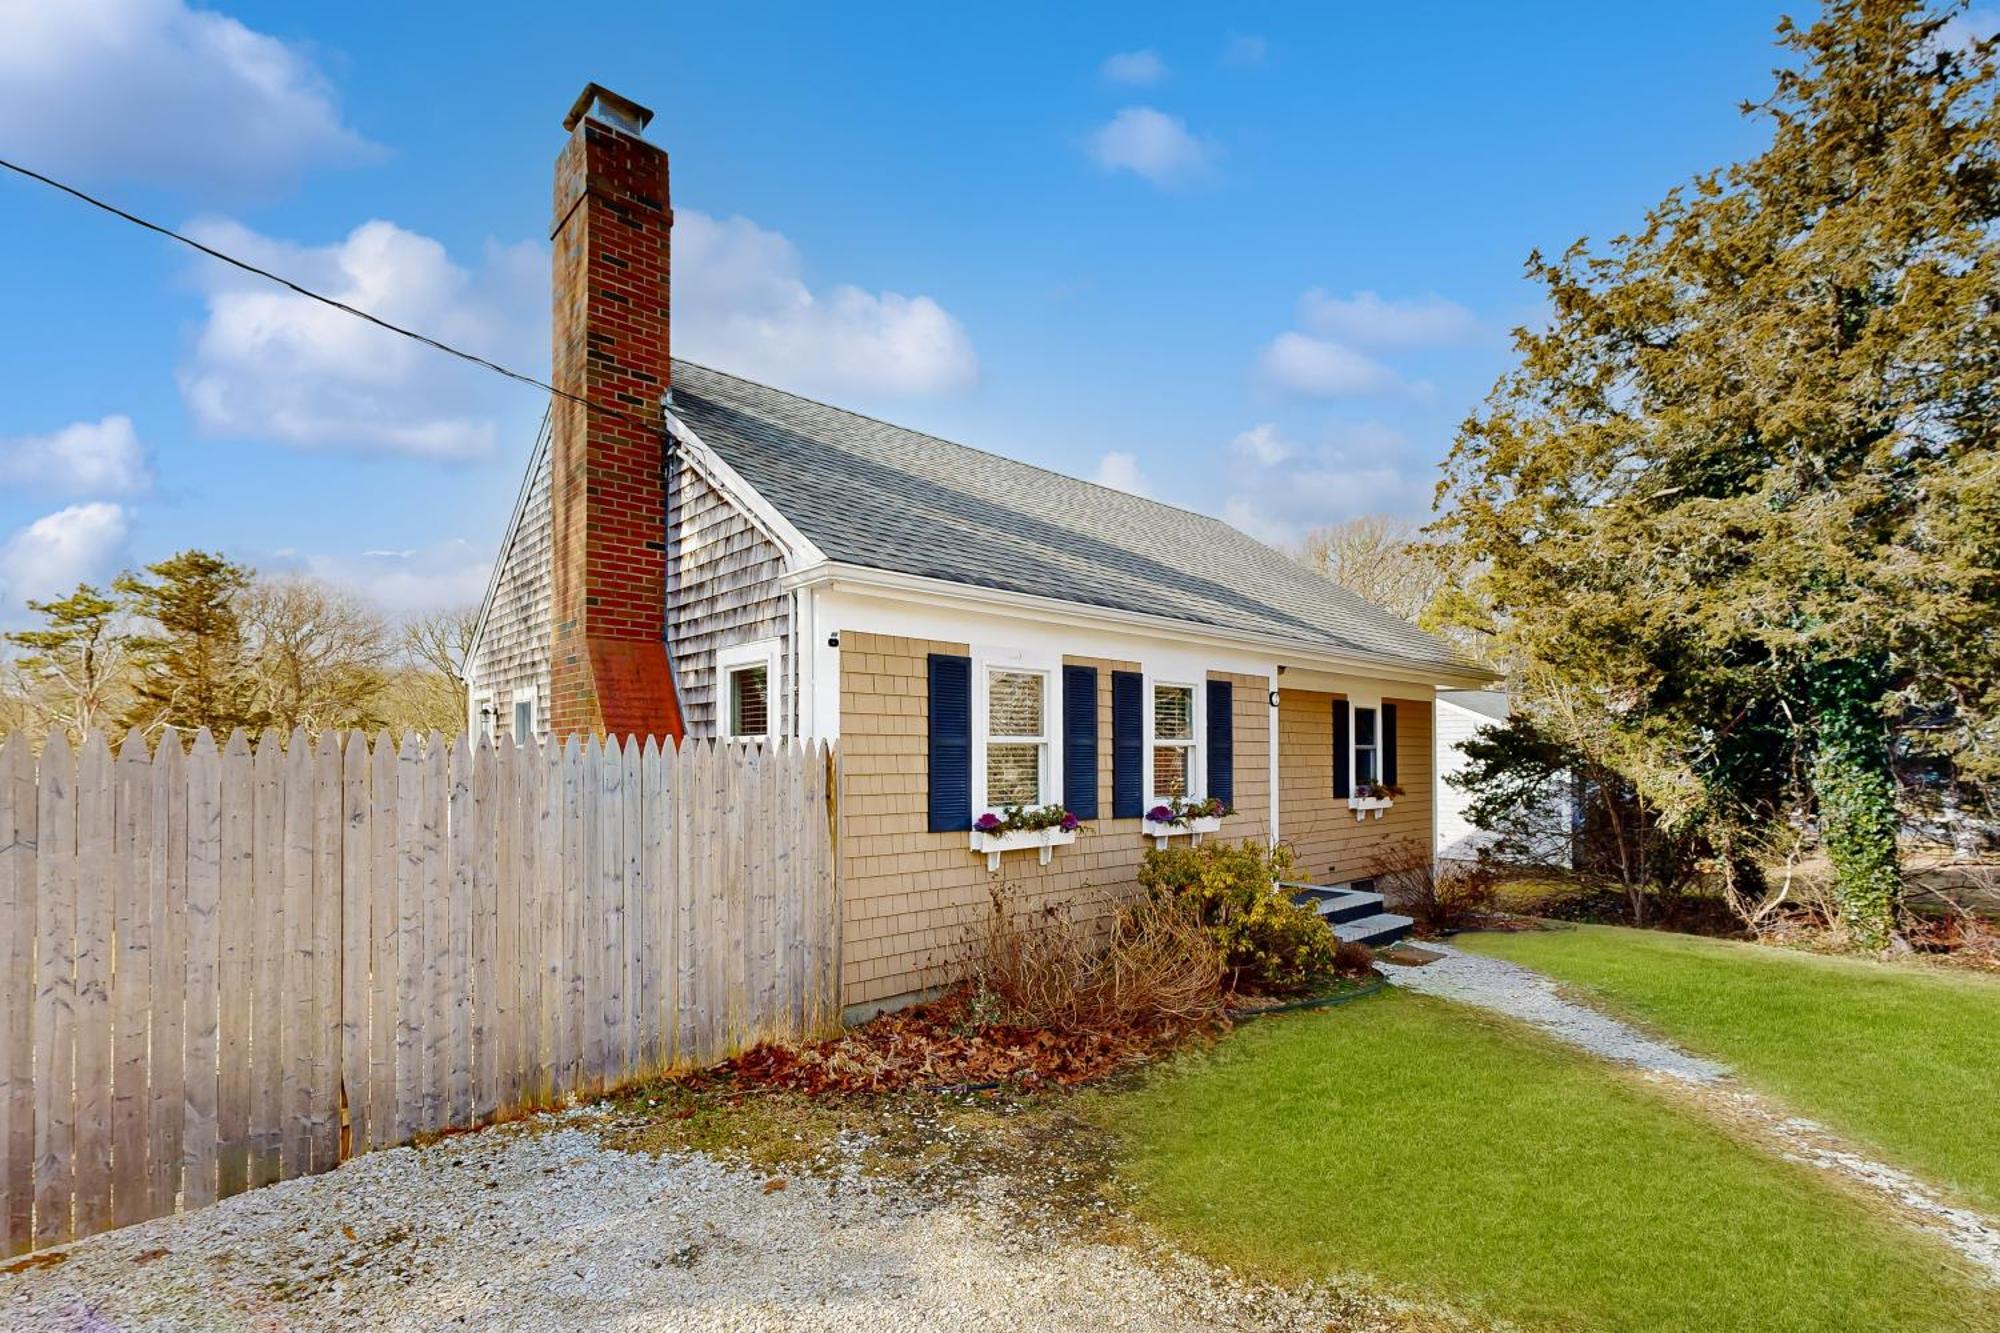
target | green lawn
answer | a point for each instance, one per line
(1902, 1057)
(1462, 1155)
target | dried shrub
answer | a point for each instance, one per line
(1351, 958)
(1058, 968)
(1439, 896)
(1269, 944)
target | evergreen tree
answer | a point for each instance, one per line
(191, 661)
(74, 669)
(1744, 489)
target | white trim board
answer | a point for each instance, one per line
(942, 594)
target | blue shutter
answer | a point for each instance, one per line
(1128, 745)
(1388, 744)
(1079, 705)
(1342, 749)
(1222, 741)
(951, 743)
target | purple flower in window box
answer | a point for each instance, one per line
(987, 823)
(1070, 823)
(1159, 814)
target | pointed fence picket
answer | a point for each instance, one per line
(222, 966)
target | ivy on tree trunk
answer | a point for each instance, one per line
(1856, 793)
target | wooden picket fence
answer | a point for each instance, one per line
(225, 967)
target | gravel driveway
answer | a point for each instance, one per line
(541, 1227)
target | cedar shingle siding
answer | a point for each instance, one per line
(722, 580)
(909, 894)
(1331, 844)
(722, 590)
(513, 660)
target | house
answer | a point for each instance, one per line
(1460, 715)
(695, 554)
(1538, 833)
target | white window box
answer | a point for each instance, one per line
(1160, 832)
(1362, 805)
(1043, 840)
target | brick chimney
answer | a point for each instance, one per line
(608, 665)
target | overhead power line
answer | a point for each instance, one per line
(312, 295)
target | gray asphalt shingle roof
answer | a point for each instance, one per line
(873, 494)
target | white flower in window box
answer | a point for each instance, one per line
(1019, 830)
(1372, 798)
(1189, 817)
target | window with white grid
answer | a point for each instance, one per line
(1017, 737)
(1173, 759)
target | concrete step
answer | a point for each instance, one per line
(1335, 903)
(1377, 932)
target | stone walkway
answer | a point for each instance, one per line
(1522, 993)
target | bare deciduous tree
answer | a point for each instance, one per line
(317, 654)
(427, 687)
(1379, 558)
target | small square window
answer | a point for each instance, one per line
(749, 691)
(750, 701)
(524, 720)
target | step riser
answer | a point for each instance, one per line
(1355, 911)
(1376, 932)
(1341, 908)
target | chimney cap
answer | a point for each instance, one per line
(601, 103)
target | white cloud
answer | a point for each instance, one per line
(1279, 488)
(1120, 471)
(1154, 145)
(155, 90)
(1137, 67)
(49, 557)
(1324, 357)
(88, 457)
(1245, 50)
(427, 578)
(1262, 445)
(1321, 368)
(1366, 320)
(741, 303)
(269, 364)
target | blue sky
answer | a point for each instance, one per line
(1259, 264)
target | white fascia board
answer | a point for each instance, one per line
(799, 550)
(888, 584)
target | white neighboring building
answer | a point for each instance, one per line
(1462, 714)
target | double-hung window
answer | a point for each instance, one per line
(1017, 737)
(1173, 757)
(1367, 749)
(747, 690)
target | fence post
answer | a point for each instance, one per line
(172, 861)
(133, 990)
(17, 995)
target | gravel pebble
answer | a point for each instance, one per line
(541, 1227)
(1509, 988)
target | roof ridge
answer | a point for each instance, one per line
(973, 448)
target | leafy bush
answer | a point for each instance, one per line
(1057, 967)
(1441, 896)
(1268, 943)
